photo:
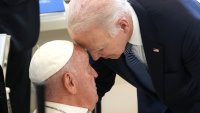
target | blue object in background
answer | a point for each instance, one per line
(50, 6)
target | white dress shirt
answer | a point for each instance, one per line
(136, 39)
(52, 107)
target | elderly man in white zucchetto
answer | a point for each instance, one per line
(68, 77)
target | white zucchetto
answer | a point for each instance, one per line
(49, 59)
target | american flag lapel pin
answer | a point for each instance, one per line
(156, 50)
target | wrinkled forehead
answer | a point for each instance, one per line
(82, 39)
(93, 37)
(80, 52)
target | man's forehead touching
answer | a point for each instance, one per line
(83, 51)
(80, 45)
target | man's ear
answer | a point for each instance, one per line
(69, 83)
(124, 24)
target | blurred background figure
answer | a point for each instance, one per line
(20, 19)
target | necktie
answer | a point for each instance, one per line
(138, 68)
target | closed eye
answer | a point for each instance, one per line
(101, 49)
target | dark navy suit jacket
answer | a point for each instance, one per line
(173, 28)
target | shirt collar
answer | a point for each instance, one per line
(136, 35)
(67, 108)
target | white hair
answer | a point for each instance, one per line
(82, 14)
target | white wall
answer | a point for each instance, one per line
(121, 98)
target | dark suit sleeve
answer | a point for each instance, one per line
(105, 79)
(20, 19)
(191, 57)
(191, 51)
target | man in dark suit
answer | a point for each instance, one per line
(20, 19)
(163, 36)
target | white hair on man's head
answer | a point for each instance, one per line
(82, 14)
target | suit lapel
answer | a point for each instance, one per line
(153, 51)
(120, 67)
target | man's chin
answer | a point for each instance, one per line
(112, 57)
